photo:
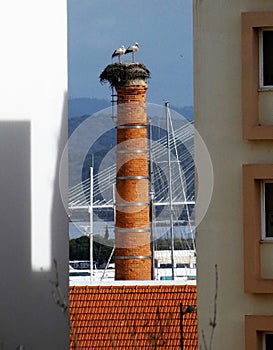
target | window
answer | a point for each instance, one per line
(257, 75)
(165, 266)
(185, 266)
(266, 58)
(268, 341)
(267, 210)
(257, 206)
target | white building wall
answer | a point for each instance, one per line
(217, 70)
(33, 132)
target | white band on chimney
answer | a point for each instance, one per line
(132, 230)
(132, 177)
(125, 257)
(132, 151)
(132, 126)
(133, 204)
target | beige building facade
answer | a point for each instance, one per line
(233, 68)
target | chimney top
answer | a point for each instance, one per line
(122, 74)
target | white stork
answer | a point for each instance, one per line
(119, 52)
(132, 49)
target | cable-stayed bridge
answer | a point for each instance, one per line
(181, 185)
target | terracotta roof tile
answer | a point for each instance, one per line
(132, 317)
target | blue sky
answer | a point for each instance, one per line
(163, 29)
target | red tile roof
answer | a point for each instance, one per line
(132, 317)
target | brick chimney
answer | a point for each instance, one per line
(132, 227)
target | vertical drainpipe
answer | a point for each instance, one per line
(132, 229)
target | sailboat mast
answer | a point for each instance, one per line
(152, 197)
(91, 222)
(170, 185)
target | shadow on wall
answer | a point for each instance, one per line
(30, 314)
(15, 201)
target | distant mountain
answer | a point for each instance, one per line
(79, 107)
(74, 122)
(186, 111)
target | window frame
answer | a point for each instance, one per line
(252, 23)
(261, 59)
(255, 328)
(253, 175)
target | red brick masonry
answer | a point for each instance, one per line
(132, 234)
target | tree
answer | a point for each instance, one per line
(79, 248)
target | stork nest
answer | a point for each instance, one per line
(118, 74)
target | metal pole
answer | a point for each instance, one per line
(170, 187)
(188, 310)
(114, 203)
(91, 224)
(113, 249)
(152, 213)
(181, 327)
